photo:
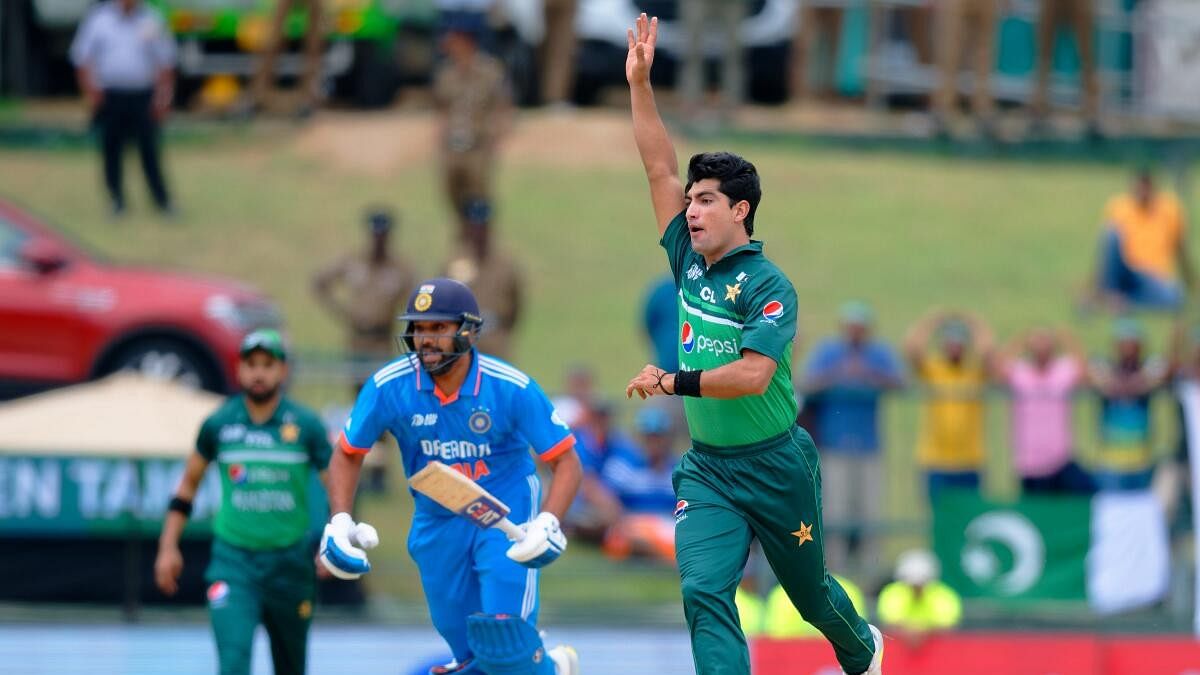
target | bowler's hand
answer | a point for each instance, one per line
(167, 568)
(641, 50)
(652, 381)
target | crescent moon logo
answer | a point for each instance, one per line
(1010, 530)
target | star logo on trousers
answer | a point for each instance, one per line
(804, 533)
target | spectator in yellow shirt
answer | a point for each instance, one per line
(918, 604)
(1143, 257)
(950, 446)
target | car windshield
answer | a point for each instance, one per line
(14, 234)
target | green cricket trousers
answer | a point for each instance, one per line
(275, 588)
(770, 491)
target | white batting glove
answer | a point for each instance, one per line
(544, 541)
(344, 544)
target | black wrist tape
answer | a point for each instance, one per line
(181, 505)
(687, 383)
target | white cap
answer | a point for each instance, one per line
(917, 567)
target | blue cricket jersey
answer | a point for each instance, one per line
(485, 430)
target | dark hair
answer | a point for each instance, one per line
(738, 179)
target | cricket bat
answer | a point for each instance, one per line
(465, 497)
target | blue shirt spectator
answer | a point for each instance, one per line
(847, 375)
(660, 320)
(641, 478)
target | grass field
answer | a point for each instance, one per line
(1009, 239)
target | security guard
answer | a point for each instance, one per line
(493, 276)
(262, 568)
(124, 59)
(365, 291)
(474, 104)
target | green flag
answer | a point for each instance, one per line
(1032, 549)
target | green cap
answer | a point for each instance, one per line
(266, 339)
(856, 312)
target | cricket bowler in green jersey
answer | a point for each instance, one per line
(263, 566)
(751, 472)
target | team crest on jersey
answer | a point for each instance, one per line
(218, 594)
(680, 510)
(687, 337)
(289, 433)
(772, 311)
(237, 473)
(480, 421)
(694, 272)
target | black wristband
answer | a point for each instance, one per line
(687, 383)
(181, 505)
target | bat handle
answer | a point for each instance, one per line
(507, 527)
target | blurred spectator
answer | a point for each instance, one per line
(818, 35)
(597, 439)
(364, 290)
(474, 104)
(1079, 15)
(558, 51)
(262, 88)
(641, 482)
(698, 17)
(1042, 370)
(124, 59)
(575, 405)
(963, 23)
(1126, 386)
(1185, 366)
(950, 446)
(493, 276)
(660, 320)
(849, 373)
(918, 604)
(1143, 258)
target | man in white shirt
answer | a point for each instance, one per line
(124, 58)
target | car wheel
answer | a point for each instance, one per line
(166, 359)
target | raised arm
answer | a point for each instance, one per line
(654, 145)
(983, 339)
(916, 342)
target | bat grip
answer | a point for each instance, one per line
(507, 527)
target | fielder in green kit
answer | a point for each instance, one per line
(751, 472)
(263, 567)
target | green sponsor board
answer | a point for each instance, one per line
(65, 495)
(1029, 550)
(81, 495)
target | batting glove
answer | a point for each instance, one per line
(544, 541)
(344, 546)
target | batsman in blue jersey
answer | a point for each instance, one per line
(446, 402)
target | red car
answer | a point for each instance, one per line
(66, 316)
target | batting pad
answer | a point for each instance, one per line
(507, 645)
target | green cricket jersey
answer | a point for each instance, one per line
(264, 472)
(742, 302)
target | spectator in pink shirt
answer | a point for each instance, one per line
(1042, 370)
